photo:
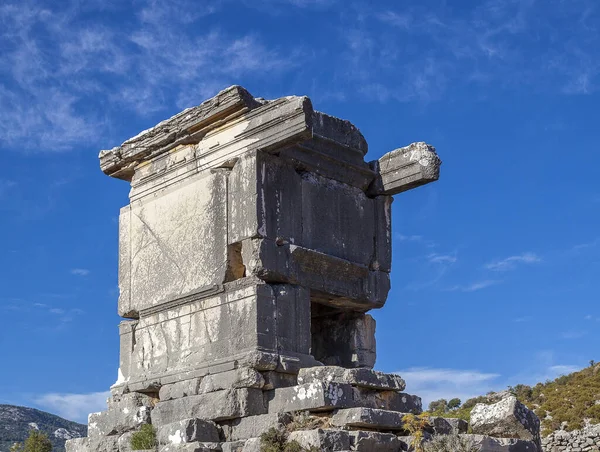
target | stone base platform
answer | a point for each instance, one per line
(325, 408)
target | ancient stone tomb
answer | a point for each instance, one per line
(256, 240)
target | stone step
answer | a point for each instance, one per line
(323, 396)
(365, 378)
(214, 406)
(188, 431)
(322, 439)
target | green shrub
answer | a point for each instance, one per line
(144, 438)
(36, 442)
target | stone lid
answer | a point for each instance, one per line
(192, 124)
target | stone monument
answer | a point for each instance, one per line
(256, 240)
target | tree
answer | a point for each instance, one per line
(438, 406)
(454, 404)
(36, 442)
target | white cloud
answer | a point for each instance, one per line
(80, 271)
(75, 407)
(473, 287)
(433, 384)
(511, 262)
(575, 334)
(435, 258)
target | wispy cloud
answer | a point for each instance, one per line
(511, 262)
(75, 407)
(435, 258)
(574, 334)
(80, 271)
(433, 384)
(474, 287)
(54, 64)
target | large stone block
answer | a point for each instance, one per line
(388, 400)
(407, 168)
(125, 412)
(191, 447)
(488, 444)
(254, 426)
(361, 377)
(374, 442)
(243, 377)
(368, 418)
(507, 418)
(193, 339)
(310, 397)
(164, 255)
(188, 431)
(328, 440)
(448, 426)
(215, 406)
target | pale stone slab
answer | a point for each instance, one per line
(310, 397)
(365, 378)
(215, 406)
(124, 413)
(507, 418)
(407, 168)
(448, 426)
(244, 377)
(179, 389)
(187, 431)
(374, 442)
(368, 418)
(254, 426)
(192, 447)
(217, 330)
(388, 400)
(164, 255)
(489, 444)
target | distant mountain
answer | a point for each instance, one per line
(16, 422)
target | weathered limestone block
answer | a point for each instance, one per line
(233, 446)
(507, 418)
(252, 445)
(214, 406)
(179, 389)
(361, 377)
(95, 444)
(278, 380)
(388, 400)
(243, 377)
(253, 426)
(407, 168)
(188, 431)
(161, 260)
(191, 447)
(448, 426)
(322, 439)
(193, 339)
(125, 412)
(374, 442)
(316, 396)
(346, 340)
(368, 418)
(489, 444)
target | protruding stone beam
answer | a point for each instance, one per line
(406, 168)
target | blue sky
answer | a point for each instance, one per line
(495, 277)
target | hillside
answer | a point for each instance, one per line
(568, 402)
(17, 421)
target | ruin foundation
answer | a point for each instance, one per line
(256, 240)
